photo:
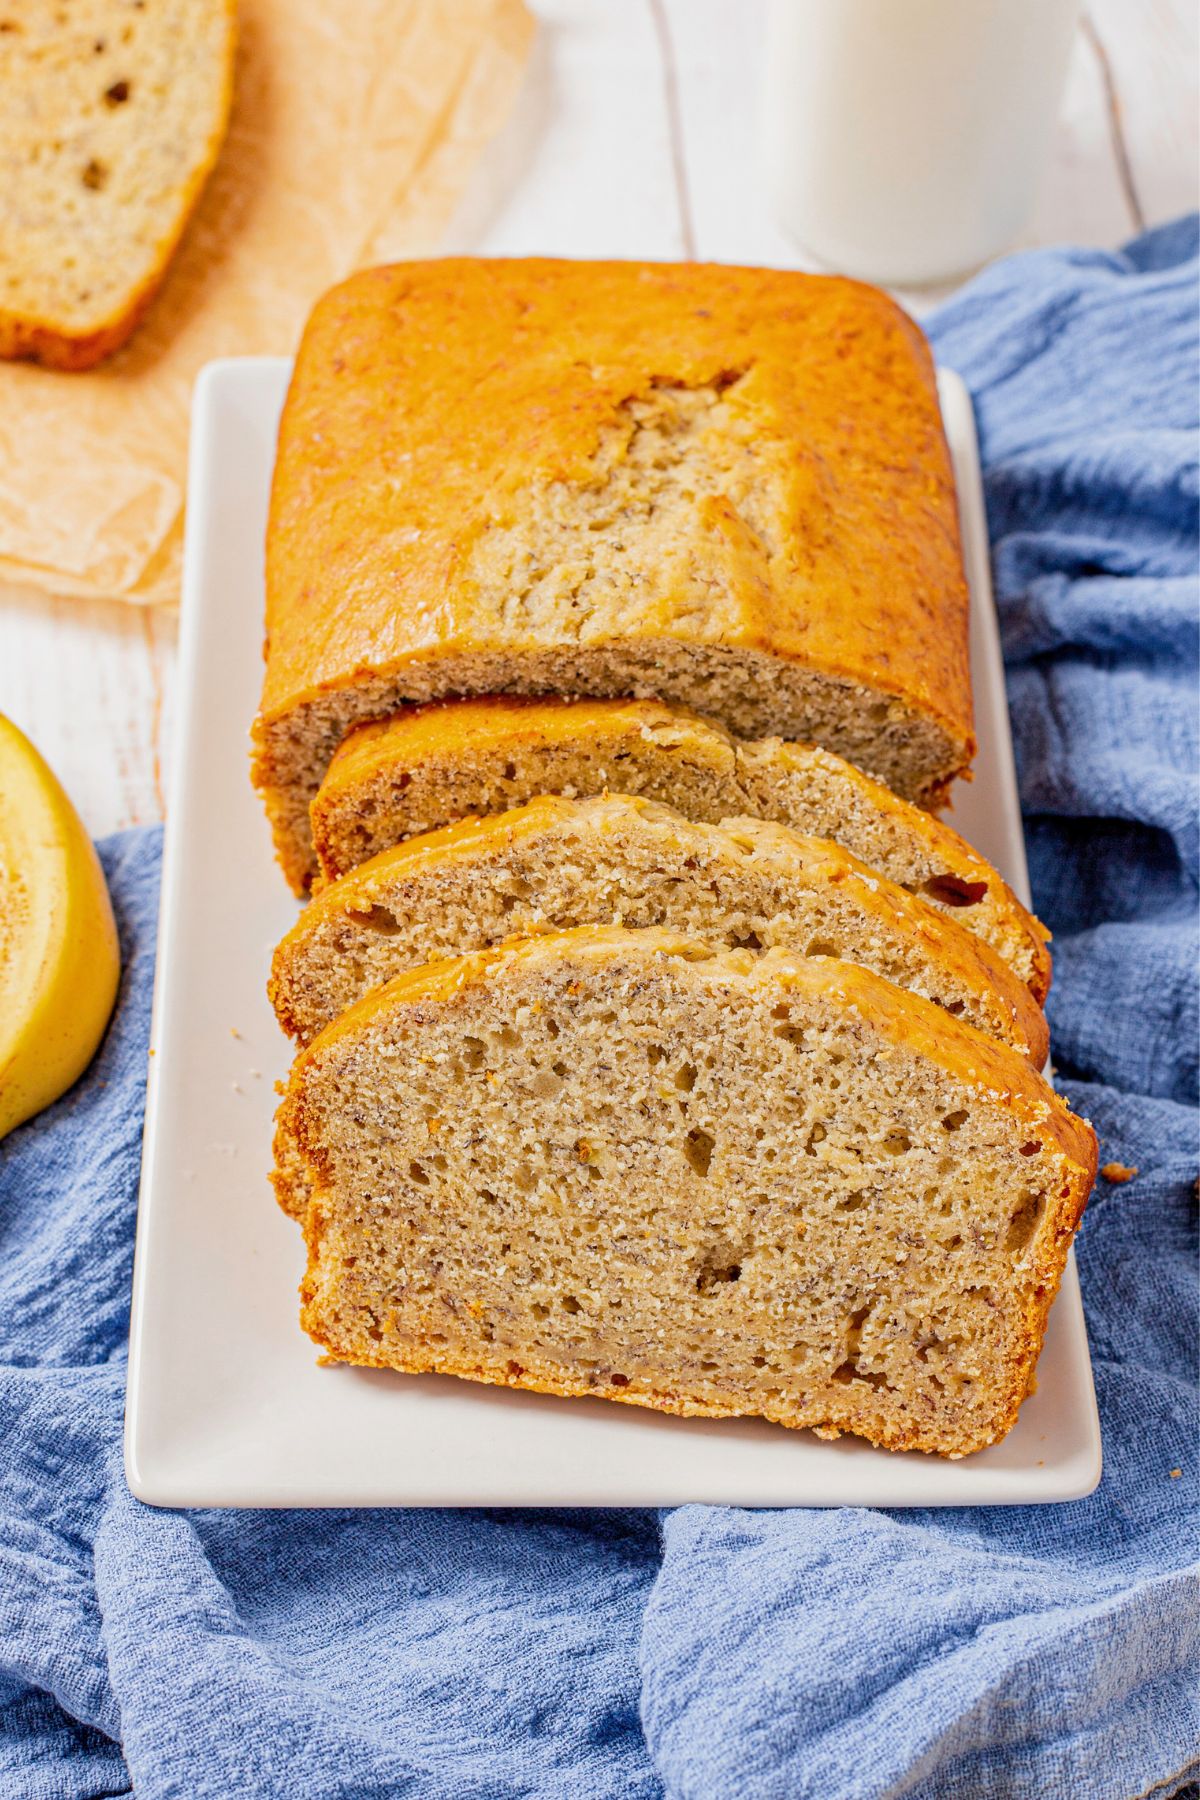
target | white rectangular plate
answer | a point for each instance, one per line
(227, 1405)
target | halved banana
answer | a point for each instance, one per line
(59, 964)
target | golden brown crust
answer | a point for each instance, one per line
(738, 846)
(291, 1176)
(23, 338)
(449, 426)
(28, 340)
(527, 359)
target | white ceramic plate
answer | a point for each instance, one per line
(227, 1405)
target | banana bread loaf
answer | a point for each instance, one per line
(559, 863)
(727, 487)
(616, 1163)
(427, 766)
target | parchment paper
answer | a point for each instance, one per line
(355, 126)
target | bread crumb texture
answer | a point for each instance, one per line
(558, 863)
(426, 766)
(528, 476)
(619, 1163)
(112, 117)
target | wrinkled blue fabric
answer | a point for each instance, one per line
(1046, 1652)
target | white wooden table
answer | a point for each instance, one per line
(634, 135)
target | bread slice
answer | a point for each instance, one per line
(616, 1163)
(112, 115)
(559, 863)
(427, 766)
(726, 487)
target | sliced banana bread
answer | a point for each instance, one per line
(111, 117)
(559, 863)
(616, 1163)
(428, 766)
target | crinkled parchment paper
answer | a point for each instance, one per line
(355, 126)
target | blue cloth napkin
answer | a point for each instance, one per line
(1047, 1652)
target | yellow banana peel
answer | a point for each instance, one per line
(59, 963)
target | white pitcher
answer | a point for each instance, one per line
(904, 139)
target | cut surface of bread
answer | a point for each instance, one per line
(558, 863)
(727, 487)
(428, 766)
(616, 1163)
(112, 113)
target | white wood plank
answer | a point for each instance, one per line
(1153, 50)
(1081, 200)
(718, 51)
(92, 685)
(583, 167)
